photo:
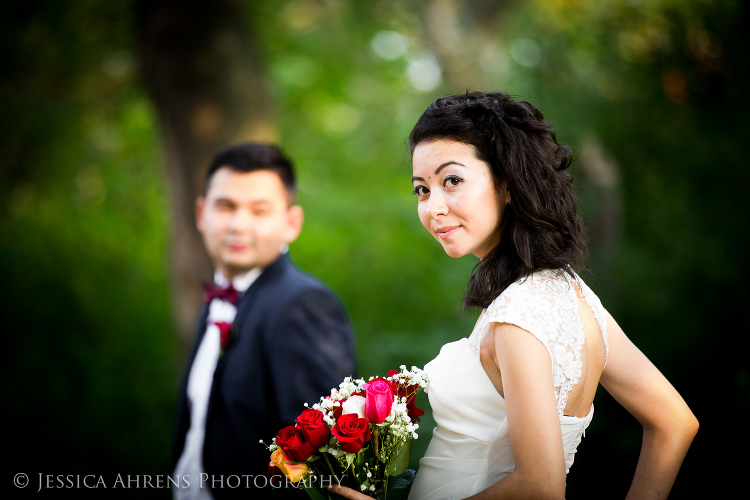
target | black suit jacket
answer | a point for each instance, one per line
(294, 343)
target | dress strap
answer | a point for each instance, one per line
(544, 304)
(596, 308)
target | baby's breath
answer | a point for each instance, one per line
(392, 433)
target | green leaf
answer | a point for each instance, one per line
(315, 493)
(350, 458)
(399, 464)
(400, 486)
(402, 481)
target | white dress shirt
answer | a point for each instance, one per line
(199, 383)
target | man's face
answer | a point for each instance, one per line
(245, 218)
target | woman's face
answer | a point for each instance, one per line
(458, 203)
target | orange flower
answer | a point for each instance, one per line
(295, 471)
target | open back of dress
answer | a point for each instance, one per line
(470, 447)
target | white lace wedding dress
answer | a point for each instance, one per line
(470, 447)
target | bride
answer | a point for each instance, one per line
(512, 401)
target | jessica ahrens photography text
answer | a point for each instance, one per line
(158, 481)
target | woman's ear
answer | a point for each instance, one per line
(505, 193)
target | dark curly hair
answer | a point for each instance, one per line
(541, 228)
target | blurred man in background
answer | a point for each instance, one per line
(269, 338)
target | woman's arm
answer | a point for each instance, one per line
(668, 424)
(533, 423)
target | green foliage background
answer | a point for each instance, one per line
(90, 356)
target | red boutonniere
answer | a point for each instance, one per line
(226, 335)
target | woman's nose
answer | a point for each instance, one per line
(437, 206)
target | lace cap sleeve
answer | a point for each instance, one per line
(523, 305)
(542, 304)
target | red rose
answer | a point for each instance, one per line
(313, 427)
(396, 386)
(413, 411)
(292, 441)
(409, 392)
(352, 432)
(337, 410)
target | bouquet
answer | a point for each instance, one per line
(359, 436)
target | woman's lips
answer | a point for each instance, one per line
(447, 231)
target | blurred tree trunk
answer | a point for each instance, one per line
(464, 36)
(602, 185)
(205, 80)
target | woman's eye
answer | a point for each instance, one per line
(452, 181)
(421, 190)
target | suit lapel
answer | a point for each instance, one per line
(245, 306)
(200, 331)
(183, 413)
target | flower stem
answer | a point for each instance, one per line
(325, 456)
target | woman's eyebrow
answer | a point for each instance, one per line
(441, 167)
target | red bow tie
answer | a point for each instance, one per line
(227, 293)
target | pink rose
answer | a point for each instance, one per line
(379, 400)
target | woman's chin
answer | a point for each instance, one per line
(453, 251)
